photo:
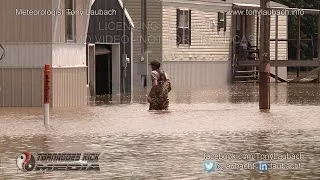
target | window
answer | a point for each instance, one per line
(183, 27)
(222, 21)
(70, 20)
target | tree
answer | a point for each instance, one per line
(308, 29)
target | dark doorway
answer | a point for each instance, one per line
(104, 74)
(240, 25)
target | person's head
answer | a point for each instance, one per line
(155, 64)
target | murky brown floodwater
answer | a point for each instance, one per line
(138, 144)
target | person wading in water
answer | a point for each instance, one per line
(161, 86)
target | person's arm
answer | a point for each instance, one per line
(154, 79)
(167, 78)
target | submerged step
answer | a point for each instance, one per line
(249, 81)
(250, 71)
(252, 76)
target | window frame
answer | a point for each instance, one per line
(73, 22)
(222, 21)
(184, 30)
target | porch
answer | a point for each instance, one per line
(245, 50)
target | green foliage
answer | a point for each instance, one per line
(308, 28)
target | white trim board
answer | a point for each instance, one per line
(126, 13)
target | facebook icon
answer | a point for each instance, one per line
(262, 166)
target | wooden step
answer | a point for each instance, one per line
(248, 81)
(252, 76)
(250, 71)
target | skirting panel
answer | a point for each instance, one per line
(193, 73)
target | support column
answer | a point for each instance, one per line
(257, 31)
(299, 43)
(318, 45)
(264, 68)
(144, 36)
(276, 47)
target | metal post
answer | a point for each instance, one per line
(276, 46)
(264, 68)
(46, 98)
(147, 60)
(143, 27)
(257, 42)
(257, 30)
(318, 45)
(124, 50)
(299, 43)
(144, 30)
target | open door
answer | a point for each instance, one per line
(116, 80)
(92, 69)
(103, 69)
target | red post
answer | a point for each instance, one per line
(47, 80)
(46, 94)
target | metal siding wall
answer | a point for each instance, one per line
(134, 9)
(68, 55)
(21, 87)
(26, 55)
(192, 74)
(69, 87)
(81, 21)
(154, 23)
(25, 28)
(37, 90)
(58, 23)
(207, 43)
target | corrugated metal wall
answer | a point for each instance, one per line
(134, 9)
(39, 28)
(21, 87)
(25, 28)
(68, 55)
(154, 20)
(26, 55)
(69, 87)
(191, 73)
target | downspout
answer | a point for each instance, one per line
(131, 61)
(124, 50)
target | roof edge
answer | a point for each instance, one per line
(126, 13)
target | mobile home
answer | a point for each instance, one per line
(198, 40)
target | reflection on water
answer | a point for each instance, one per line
(138, 144)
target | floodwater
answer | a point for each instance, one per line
(138, 144)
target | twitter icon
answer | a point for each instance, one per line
(209, 166)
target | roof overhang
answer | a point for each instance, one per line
(240, 6)
(208, 6)
(198, 2)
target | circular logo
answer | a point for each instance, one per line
(26, 162)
